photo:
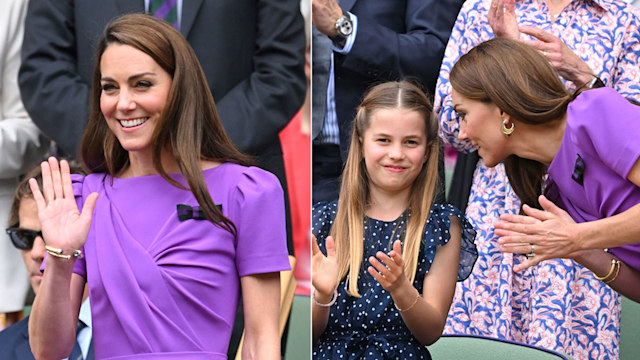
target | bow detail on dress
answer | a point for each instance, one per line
(187, 212)
(578, 170)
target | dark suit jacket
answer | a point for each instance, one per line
(14, 342)
(395, 39)
(252, 53)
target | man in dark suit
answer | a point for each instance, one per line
(14, 341)
(366, 42)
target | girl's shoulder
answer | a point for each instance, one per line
(324, 210)
(437, 233)
(444, 211)
(322, 215)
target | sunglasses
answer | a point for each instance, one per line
(23, 238)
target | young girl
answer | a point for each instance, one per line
(372, 298)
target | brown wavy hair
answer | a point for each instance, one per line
(189, 126)
(522, 83)
(348, 227)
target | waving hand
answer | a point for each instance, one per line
(63, 226)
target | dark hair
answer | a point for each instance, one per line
(522, 83)
(189, 126)
(348, 228)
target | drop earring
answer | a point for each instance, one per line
(505, 130)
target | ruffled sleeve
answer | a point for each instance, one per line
(259, 216)
(323, 214)
(436, 233)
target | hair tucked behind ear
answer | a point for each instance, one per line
(522, 83)
(348, 227)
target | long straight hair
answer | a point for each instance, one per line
(521, 82)
(189, 126)
(348, 227)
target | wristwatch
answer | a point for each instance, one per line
(595, 83)
(344, 26)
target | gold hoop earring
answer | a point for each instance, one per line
(505, 130)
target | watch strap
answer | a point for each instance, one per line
(595, 83)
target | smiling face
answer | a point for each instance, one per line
(28, 217)
(394, 148)
(481, 123)
(134, 94)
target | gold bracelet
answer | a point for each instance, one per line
(58, 252)
(616, 273)
(613, 266)
(410, 306)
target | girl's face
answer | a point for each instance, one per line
(481, 124)
(394, 148)
(134, 94)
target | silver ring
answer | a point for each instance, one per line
(532, 253)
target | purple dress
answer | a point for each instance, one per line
(601, 141)
(162, 288)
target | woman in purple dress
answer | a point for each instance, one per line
(170, 224)
(512, 105)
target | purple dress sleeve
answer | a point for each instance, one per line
(259, 218)
(597, 136)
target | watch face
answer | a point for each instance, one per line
(344, 26)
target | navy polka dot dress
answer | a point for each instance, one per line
(371, 327)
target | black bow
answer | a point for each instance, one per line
(578, 170)
(186, 212)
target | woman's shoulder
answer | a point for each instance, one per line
(89, 181)
(593, 110)
(244, 178)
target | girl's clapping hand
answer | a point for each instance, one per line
(388, 270)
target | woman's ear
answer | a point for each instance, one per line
(504, 115)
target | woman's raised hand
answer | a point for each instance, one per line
(503, 20)
(63, 226)
(566, 62)
(324, 268)
(388, 270)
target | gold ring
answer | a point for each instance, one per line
(532, 253)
